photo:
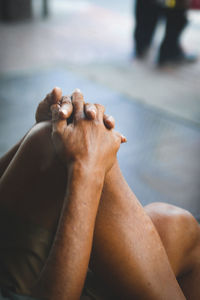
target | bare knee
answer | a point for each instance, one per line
(173, 221)
(179, 232)
(38, 144)
(40, 133)
(41, 176)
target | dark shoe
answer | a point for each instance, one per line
(179, 57)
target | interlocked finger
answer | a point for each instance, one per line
(58, 124)
(123, 139)
(120, 138)
(90, 111)
(78, 104)
(54, 97)
(66, 108)
(109, 121)
(100, 112)
(55, 110)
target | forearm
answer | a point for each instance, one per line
(65, 271)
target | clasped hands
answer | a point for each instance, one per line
(81, 132)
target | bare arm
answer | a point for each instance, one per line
(43, 113)
(89, 150)
(65, 271)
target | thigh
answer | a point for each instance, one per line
(34, 183)
(127, 251)
(31, 194)
(8, 295)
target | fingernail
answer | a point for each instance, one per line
(66, 99)
(111, 119)
(55, 89)
(77, 91)
(54, 107)
(123, 139)
(92, 113)
(64, 111)
(92, 110)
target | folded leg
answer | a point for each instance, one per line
(127, 254)
(33, 184)
(180, 235)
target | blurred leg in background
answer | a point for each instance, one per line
(45, 8)
(147, 14)
(15, 10)
(171, 50)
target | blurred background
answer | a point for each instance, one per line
(88, 44)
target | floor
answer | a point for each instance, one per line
(87, 44)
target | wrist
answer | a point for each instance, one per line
(83, 171)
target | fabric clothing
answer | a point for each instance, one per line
(148, 13)
(24, 248)
(95, 290)
(7, 295)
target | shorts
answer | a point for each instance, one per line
(24, 249)
(7, 295)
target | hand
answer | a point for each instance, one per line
(86, 140)
(43, 112)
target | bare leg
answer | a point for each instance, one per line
(128, 254)
(43, 113)
(37, 178)
(180, 234)
(125, 244)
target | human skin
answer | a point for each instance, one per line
(180, 234)
(86, 168)
(121, 221)
(120, 204)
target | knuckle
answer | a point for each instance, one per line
(66, 100)
(76, 102)
(66, 107)
(110, 120)
(88, 106)
(100, 107)
(54, 108)
(77, 95)
(92, 108)
(62, 114)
